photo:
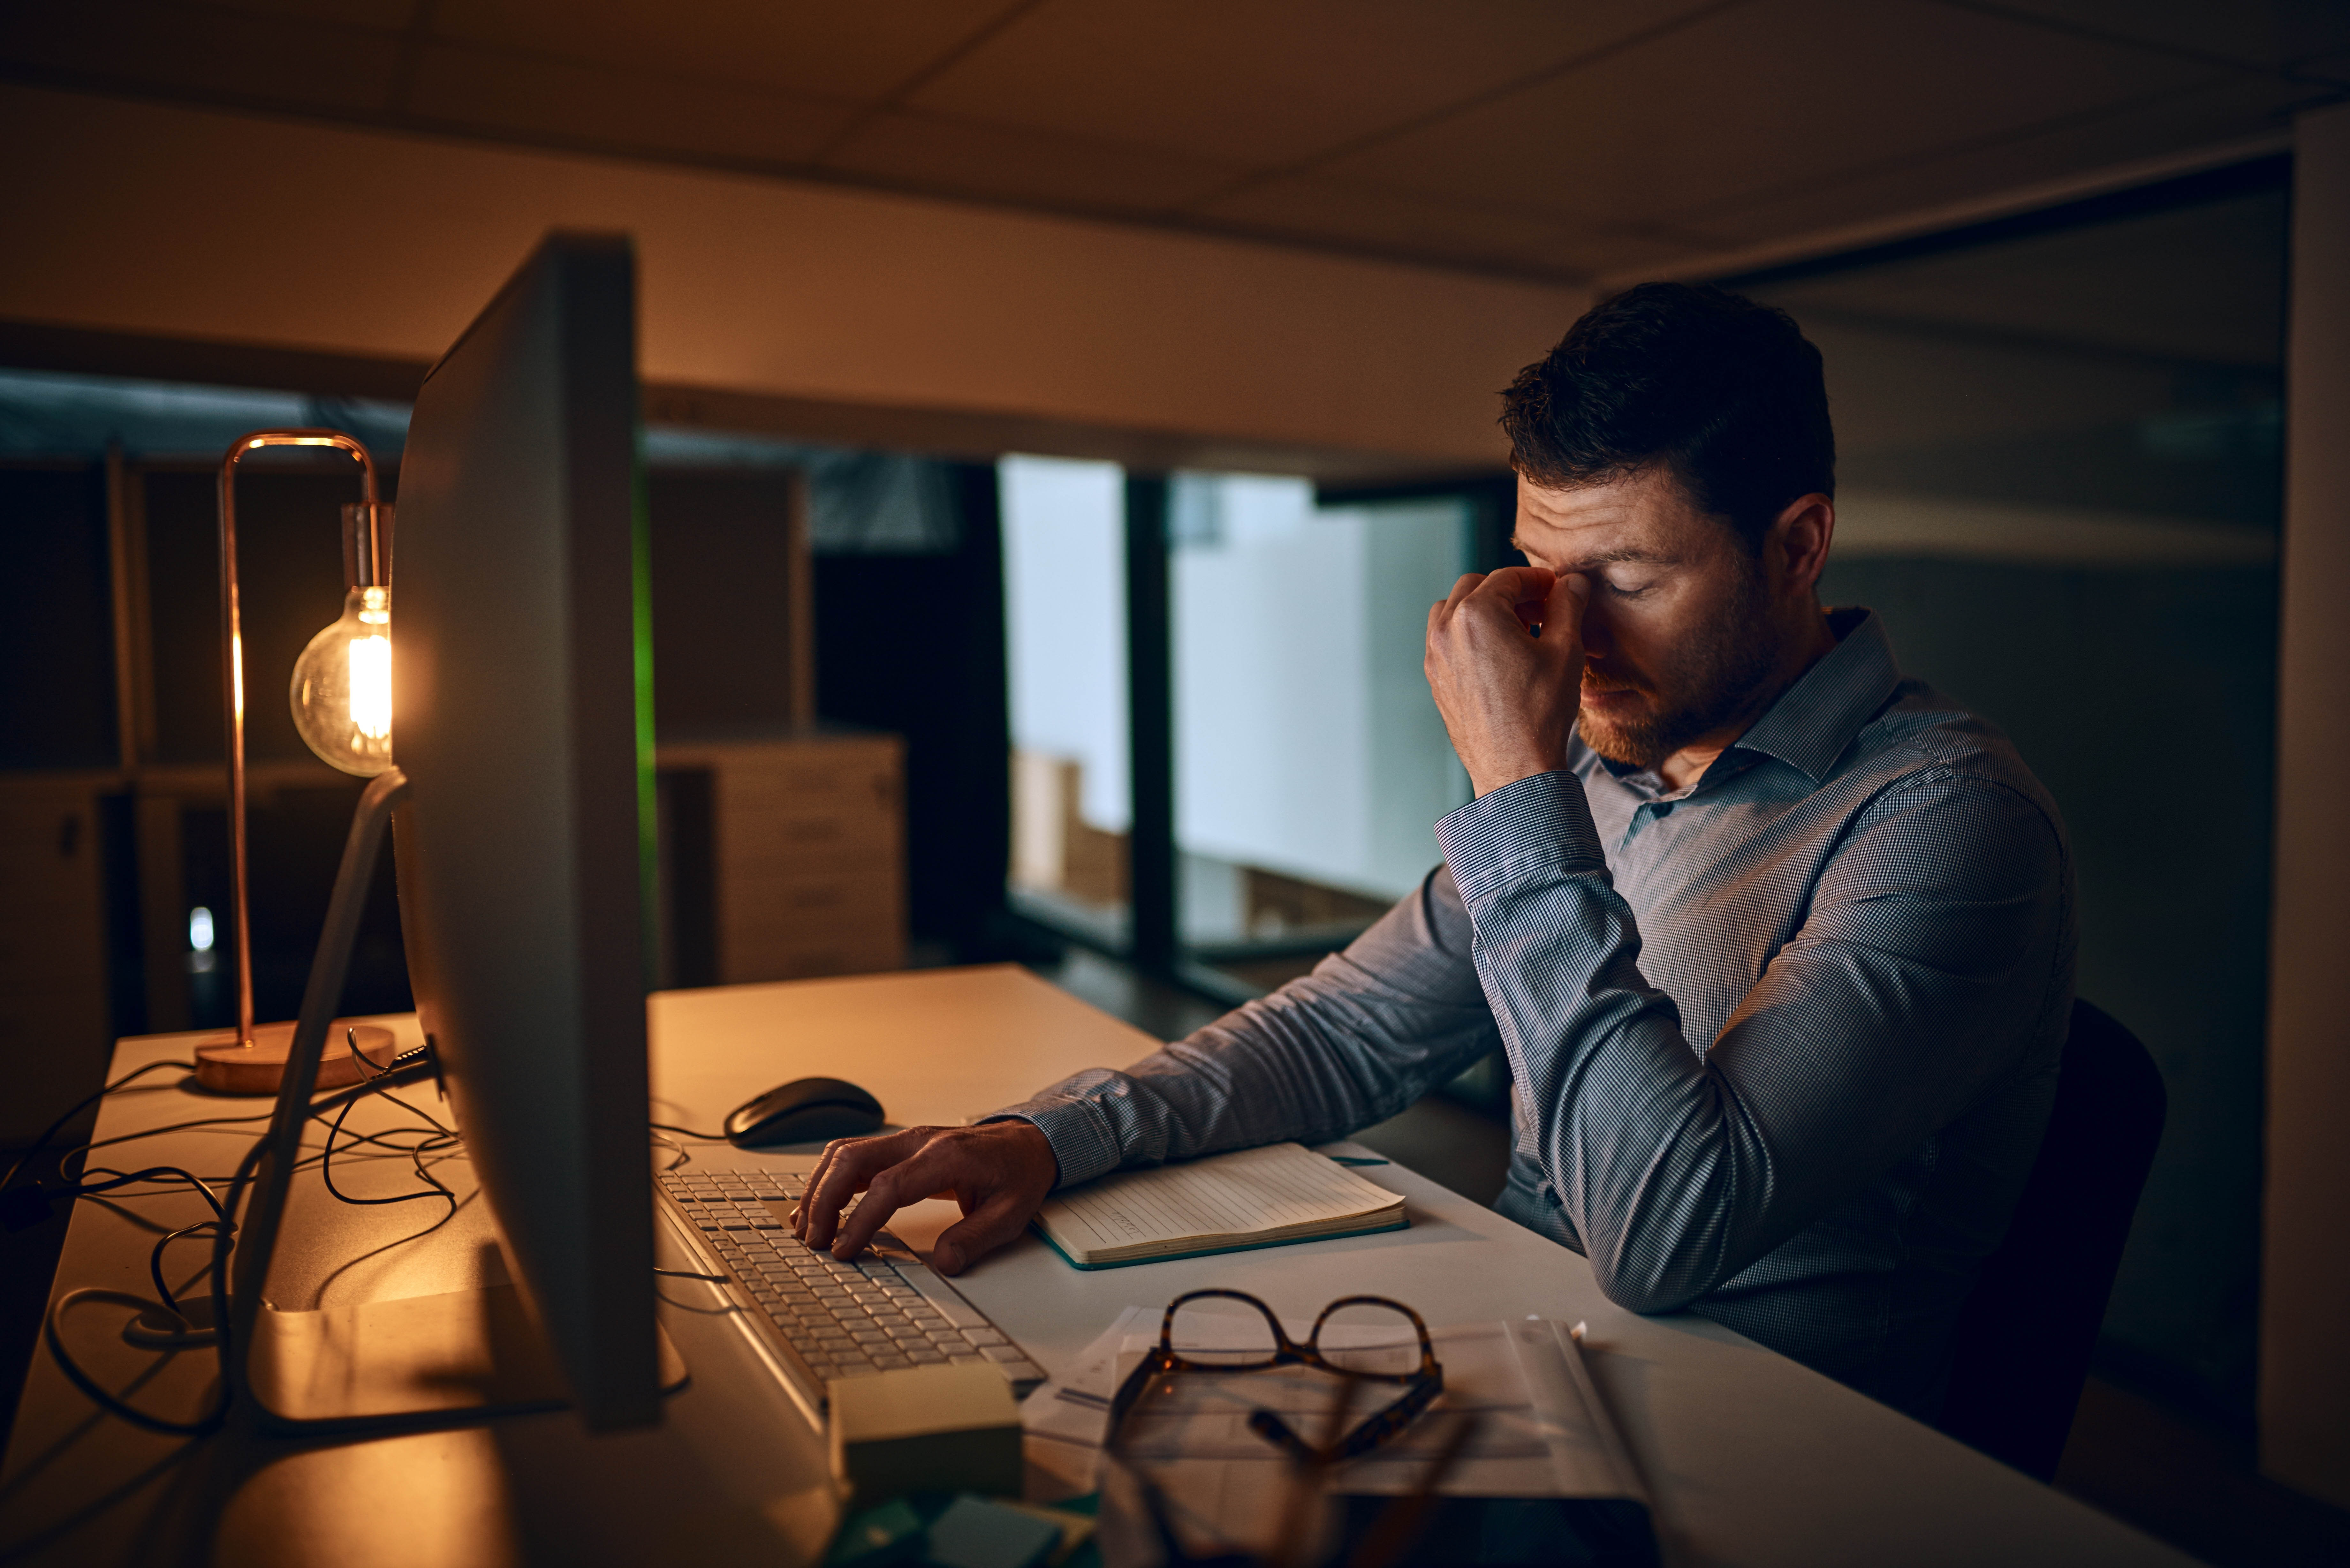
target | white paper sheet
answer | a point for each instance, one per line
(1540, 1430)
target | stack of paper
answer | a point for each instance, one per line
(1252, 1197)
(1540, 1433)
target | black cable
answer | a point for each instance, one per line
(82, 1380)
(690, 1132)
(96, 1144)
(50, 1131)
(84, 1188)
(224, 1230)
(420, 1115)
(692, 1274)
(155, 1261)
(432, 1188)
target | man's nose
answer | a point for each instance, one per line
(1597, 636)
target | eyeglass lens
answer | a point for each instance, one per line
(1222, 1332)
(1369, 1337)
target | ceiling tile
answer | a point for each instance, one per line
(2228, 111)
(214, 56)
(621, 110)
(1334, 211)
(1011, 164)
(842, 51)
(374, 16)
(2266, 34)
(1745, 101)
(1259, 84)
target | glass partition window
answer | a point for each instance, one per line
(1310, 762)
(2060, 487)
(1064, 619)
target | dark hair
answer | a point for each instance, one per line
(1725, 393)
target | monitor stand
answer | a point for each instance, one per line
(463, 1357)
(452, 1359)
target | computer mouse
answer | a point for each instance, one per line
(806, 1110)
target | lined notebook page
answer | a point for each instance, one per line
(1242, 1193)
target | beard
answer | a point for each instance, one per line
(1705, 682)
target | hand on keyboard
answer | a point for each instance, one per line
(999, 1173)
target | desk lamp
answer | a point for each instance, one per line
(342, 697)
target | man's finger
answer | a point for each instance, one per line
(909, 1180)
(815, 1179)
(1515, 585)
(1462, 590)
(999, 1219)
(857, 1162)
(1562, 610)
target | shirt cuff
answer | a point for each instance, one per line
(1083, 1144)
(1539, 825)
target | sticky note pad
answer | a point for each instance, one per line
(975, 1533)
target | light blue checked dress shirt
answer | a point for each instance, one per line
(1783, 1044)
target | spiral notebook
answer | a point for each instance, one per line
(1267, 1197)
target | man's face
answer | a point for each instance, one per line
(1678, 635)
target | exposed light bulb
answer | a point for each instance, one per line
(341, 690)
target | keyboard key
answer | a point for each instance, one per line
(1002, 1355)
(984, 1336)
(928, 1357)
(891, 1363)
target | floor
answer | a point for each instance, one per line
(2130, 1455)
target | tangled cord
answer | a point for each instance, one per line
(178, 1330)
(442, 1138)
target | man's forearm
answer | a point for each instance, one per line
(1365, 1034)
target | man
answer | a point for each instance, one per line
(1779, 944)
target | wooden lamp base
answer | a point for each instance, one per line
(226, 1068)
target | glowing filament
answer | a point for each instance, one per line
(371, 686)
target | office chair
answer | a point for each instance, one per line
(2021, 1350)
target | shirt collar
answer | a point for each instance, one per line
(1815, 719)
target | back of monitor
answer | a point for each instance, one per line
(522, 698)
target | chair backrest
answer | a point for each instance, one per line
(2022, 1347)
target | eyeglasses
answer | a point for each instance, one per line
(1420, 1385)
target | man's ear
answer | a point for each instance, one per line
(1798, 543)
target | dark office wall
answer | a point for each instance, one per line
(913, 642)
(56, 625)
(722, 647)
(290, 586)
(2145, 700)
(294, 845)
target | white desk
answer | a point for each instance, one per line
(1752, 1459)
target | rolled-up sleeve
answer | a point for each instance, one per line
(1369, 1031)
(1934, 926)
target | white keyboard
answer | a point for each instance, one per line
(881, 1312)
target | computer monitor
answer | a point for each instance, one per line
(522, 696)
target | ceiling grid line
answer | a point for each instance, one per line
(929, 71)
(2066, 28)
(1435, 117)
(1911, 161)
